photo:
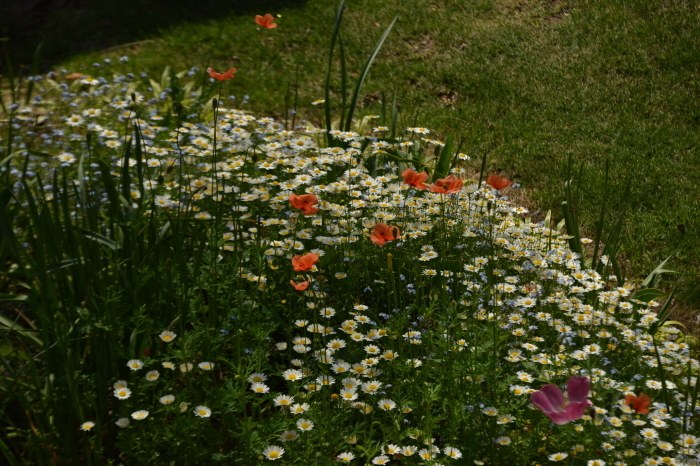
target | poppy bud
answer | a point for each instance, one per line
(498, 183)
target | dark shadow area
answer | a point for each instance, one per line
(70, 27)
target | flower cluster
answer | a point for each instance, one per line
(429, 308)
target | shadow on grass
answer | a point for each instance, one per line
(70, 27)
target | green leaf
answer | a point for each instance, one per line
(9, 456)
(7, 159)
(394, 116)
(10, 326)
(100, 239)
(7, 350)
(13, 297)
(648, 294)
(665, 311)
(443, 164)
(654, 275)
(60, 265)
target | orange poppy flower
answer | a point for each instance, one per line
(305, 262)
(304, 203)
(299, 286)
(266, 21)
(221, 76)
(415, 179)
(638, 403)
(498, 183)
(448, 185)
(381, 233)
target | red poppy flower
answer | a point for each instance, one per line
(638, 403)
(498, 183)
(381, 233)
(266, 21)
(299, 286)
(304, 203)
(448, 185)
(221, 76)
(305, 262)
(415, 179)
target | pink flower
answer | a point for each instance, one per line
(550, 400)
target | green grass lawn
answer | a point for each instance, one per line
(529, 83)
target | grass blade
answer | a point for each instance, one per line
(138, 154)
(35, 70)
(363, 74)
(483, 170)
(9, 456)
(601, 219)
(100, 239)
(10, 72)
(327, 94)
(394, 115)
(343, 79)
(126, 177)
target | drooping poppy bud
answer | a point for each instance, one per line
(221, 76)
(498, 183)
(299, 286)
(265, 21)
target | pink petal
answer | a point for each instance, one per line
(576, 410)
(541, 401)
(556, 397)
(559, 418)
(578, 389)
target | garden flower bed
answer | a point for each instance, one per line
(197, 284)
